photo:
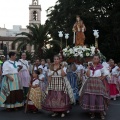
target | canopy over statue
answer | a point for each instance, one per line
(79, 29)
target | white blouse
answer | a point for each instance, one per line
(44, 69)
(99, 72)
(35, 67)
(41, 76)
(8, 67)
(36, 82)
(105, 64)
(115, 71)
(23, 63)
(79, 68)
(50, 72)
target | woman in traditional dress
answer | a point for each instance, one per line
(79, 28)
(59, 95)
(113, 81)
(11, 95)
(24, 73)
(94, 95)
(35, 96)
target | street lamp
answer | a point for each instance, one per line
(96, 35)
(60, 34)
(66, 37)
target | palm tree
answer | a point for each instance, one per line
(38, 36)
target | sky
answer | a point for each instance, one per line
(16, 12)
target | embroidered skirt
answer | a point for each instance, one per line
(94, 95)
(35, 97)
(59, 95)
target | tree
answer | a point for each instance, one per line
(96, 14)
(38, 36)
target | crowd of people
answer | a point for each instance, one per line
(56, 86)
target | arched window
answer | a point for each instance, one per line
(35, 2)
(35, 15)
(12, 46)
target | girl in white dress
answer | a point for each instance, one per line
(35, 96)
(42, 80)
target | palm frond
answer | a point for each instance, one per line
(21, 45)
(21, 39)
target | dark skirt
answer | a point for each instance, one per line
(15, 99)
(56, 101)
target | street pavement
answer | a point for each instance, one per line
(76, 113)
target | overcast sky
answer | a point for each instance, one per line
(16, 12)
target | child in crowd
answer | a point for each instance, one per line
(42, 82)
(35, 95)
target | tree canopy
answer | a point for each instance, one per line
(103, 15)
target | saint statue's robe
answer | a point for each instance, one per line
(79, 29)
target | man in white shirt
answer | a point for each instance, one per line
(24, 73)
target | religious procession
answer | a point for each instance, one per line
(86, 80)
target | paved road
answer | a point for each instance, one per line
(77, 113)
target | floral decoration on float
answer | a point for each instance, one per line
(80, 54)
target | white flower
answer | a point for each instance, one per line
(87, 54)
(87, 48)
(84, 47)
(65, 50)
(92, 50)
(79, 50)
(71, 51)
(81, 55)
(76, 54)
(75, 49)
(64, 54)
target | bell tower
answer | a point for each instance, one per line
(35, 12)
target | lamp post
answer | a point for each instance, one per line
(66, 37)
(96, 35)
(60, 34)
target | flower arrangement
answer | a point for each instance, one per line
(79, 51)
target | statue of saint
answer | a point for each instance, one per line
(79, 29)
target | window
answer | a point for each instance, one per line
(12, 46)
(35, 15)
(35, 2)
